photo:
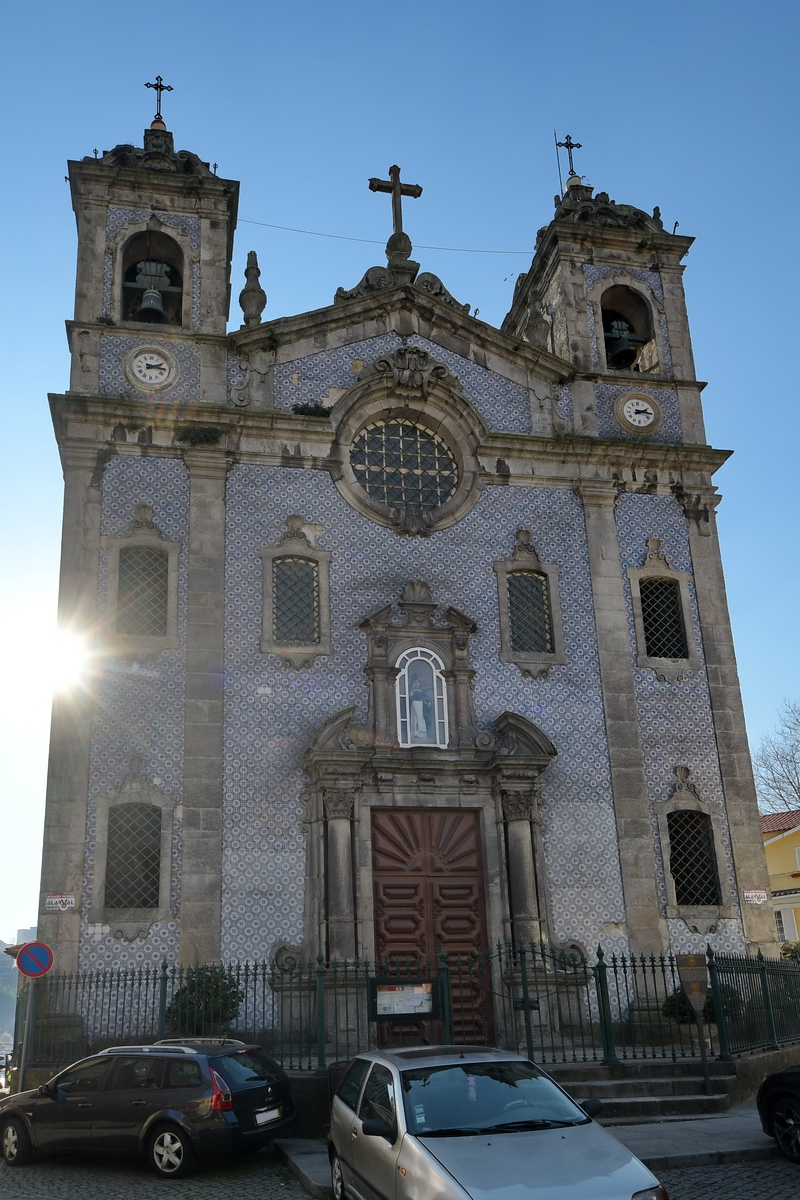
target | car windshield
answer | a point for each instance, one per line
(482, 1097)
(246, 1066)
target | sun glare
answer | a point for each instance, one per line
(68, 661)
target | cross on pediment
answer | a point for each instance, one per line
(397, 191)
(158, 87)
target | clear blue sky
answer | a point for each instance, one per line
(691, 106)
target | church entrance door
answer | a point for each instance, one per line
(428, 886)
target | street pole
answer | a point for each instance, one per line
(27, 1038)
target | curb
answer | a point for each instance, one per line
(304, 1171)
(669, 1162)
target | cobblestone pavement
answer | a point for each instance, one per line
(264, 1178)
(250, 1177)
(771, 1179)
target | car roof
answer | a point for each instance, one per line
(436, 1056)
(183, 1046)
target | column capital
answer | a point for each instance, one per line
(209, 462)
(600, 493)
(520, 805)
(339, 803)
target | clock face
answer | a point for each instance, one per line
(638, 413)
(150, 368)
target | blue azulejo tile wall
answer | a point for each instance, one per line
(271, 712)
(675, 720)
(140, 706)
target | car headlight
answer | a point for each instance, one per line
(653, 1193)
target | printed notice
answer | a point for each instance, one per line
(59, 903)
(397, 1000)
(755, 897)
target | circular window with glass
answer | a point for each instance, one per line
(398, 464)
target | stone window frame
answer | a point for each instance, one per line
(621, 278)
(656, 566)
(131, 923)
(115, 249)
(145, 533)
(299, 541)
(534, 664)
(700, 918)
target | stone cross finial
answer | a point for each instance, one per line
(399, 243)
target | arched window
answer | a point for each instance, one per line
(421, 699)
(692, 862)
(662, 618)
(142, 592)
(152, 279)
(133, 860)
(627, 330)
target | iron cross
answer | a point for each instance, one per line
(569, 146)
(159, 86)
(398, 190)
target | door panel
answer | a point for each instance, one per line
(63, 1120)
(428, 893)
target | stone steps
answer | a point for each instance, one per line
(639, 1091)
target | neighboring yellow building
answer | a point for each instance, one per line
(782, 846)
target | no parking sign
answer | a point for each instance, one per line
(34, 959)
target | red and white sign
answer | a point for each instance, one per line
(755, 897)
(61, 902)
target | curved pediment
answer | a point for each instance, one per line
(520, 736)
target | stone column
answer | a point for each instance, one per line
(518, 809)
(201, 851)
(631, 808)
(64, 849)
(726, 706)
(339, 803)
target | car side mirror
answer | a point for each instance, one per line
(591, 1107)
(375, 1127)
(44, 1089)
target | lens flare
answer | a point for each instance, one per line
(68, 661)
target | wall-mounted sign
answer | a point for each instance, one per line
(754, 897)
(403, 999)
(61, 902)
(693, 974)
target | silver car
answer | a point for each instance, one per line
(469, 1123)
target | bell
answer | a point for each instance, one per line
(622, 355)
(152, 308)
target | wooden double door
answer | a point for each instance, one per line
(428, 887)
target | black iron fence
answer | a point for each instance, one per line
(556, 1007)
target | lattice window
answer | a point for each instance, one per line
(133, 861)
(295, 602)
(662, 618)
(529, 612)
(400, 463)
(692, 862)
(142, 592)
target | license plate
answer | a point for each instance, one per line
(267, 1114)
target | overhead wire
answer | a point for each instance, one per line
(340, 237)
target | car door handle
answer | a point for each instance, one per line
(135, 1102)
(85, 1104)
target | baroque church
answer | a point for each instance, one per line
(407, 632)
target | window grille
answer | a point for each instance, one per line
(397, 463)
(133, 861)
(295, 602)
(529, 612)
(142, 592)
(662, 618)
(691, 857)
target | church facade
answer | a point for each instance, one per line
(406, 631)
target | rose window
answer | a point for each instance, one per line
(399, 463)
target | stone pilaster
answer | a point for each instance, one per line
(64, 850)
(201, 852)
(631, 808)
(519, 807)
(339, 805)
(729, 725)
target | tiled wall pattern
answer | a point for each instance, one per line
(609, 427)
(502, 404)
(114, 347)
(140, 706)
(272, 712)
(675, 719)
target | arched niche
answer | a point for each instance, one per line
(152, 261)
(628, 330)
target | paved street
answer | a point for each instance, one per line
(263, 1178)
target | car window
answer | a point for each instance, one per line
(86, 1076)
(141, 1073)
(483, 1095)
(247, 1066)
(377, 1101)
(184, 1073)
(351, 1081)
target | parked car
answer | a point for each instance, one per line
(778, 1101)
(471, 1123)
(169, 1102)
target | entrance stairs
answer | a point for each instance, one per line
(636, 1091)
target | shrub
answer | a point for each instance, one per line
(206, 1003)
(791, 951)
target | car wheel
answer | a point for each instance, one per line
(786, 1128)
(169, 1152)
(337, 1182)
(16, 1143)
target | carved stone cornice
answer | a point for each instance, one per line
(697, 507)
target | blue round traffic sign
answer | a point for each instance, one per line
(34, 959)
